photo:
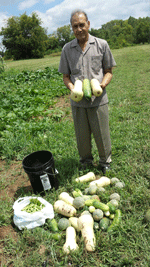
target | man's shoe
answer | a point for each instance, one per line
(105, 169)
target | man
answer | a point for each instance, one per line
(89, 57)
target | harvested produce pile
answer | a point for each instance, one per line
(86, 213)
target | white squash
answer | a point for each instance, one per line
(70, 244)
(91, 209)
(120, 184)
(115, 196)
(85, 224)
(96, 88)
(74, 222)
(77, 92)
(103, 181)
(107, 213)
(114, 202)
(65, 197)
(114, 180)
(64, 208)
(90, 176)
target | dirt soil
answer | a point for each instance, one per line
(16, 181)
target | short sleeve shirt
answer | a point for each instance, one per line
(89, 64)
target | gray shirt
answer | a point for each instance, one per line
(90, 63)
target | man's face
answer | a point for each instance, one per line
(80, 26)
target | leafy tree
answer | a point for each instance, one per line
(24, 37)
(64, 35)
(52, 42)
(95, 32)
(132, 21)
(119, 33)
(143, 31)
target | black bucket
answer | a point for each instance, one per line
(41, 171)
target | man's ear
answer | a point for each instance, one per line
(89, 23)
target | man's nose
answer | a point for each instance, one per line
(79, 29)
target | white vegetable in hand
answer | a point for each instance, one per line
(96, 88)
(76, 92)
(70, 240)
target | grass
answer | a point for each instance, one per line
(33, 64)
(35, 123)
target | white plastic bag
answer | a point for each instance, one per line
(23, 219)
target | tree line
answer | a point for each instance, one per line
(24, 37)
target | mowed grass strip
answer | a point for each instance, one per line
(34, 64)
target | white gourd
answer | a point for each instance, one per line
(70, 244)
(74, 222)
(85, 224)
(115, 196)
(96, 88)
(64, 208)
(90, 176)
(103, 181)
(77, 92)
(66, 197)
(107, 213)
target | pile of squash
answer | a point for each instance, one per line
(83, 211)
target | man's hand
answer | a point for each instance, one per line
(67, 82)
(107, 78)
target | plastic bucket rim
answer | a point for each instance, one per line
(39, 167)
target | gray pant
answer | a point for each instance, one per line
(94, 121)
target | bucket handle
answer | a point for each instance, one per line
(56, 172)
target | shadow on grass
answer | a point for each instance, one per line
(67, 168)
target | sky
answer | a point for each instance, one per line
(56, 13)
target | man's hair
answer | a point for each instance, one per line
(78, 11)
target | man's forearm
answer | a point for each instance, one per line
(67, 82)
(107, 78)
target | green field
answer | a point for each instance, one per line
(33, 64)
(33, 117)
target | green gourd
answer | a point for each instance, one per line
(56, 236)
(63, 224)
(52, 225)
(115, 222)
(78, 202)
(112, 208)
(104, 223)
(99, 205)
(87, 91)
(89, 202)
(98, 215)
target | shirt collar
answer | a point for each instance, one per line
(91, 40)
